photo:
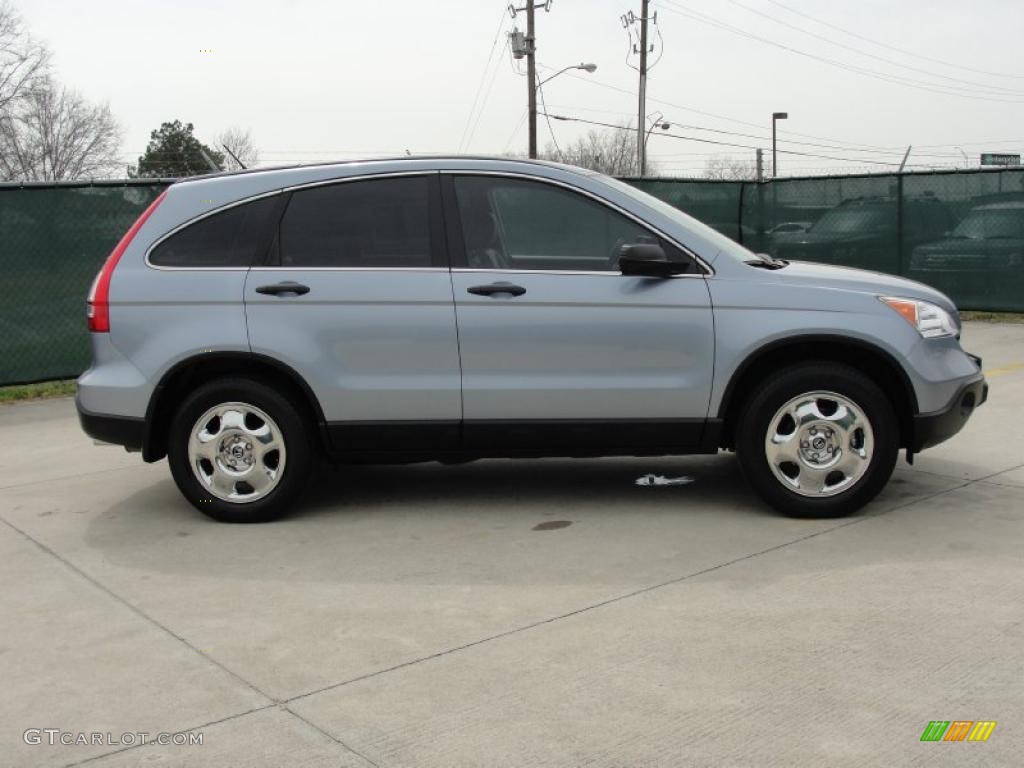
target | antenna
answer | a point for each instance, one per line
(234, 157)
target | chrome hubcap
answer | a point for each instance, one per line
(237, 452)
(819, 444)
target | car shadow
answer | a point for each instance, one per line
(467, 523)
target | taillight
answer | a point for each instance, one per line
(98, 303)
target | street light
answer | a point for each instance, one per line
(589, 68)
(533, 106)
(657, 121)
(775, 162)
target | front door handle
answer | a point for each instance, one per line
(496, 288)
(287, 288)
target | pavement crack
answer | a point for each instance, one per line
(136, 610)
(635, 593)
(328, 734)
(209, 724)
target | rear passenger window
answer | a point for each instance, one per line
(232, 238)
(374, 223)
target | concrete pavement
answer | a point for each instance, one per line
(417, 616)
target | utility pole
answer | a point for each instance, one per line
(641, 120)
(643, 48)
(760, 164)
(531, 77)
(527, 46)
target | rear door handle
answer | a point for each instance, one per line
(496, 288)
(287, 288)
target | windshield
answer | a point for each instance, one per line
(990, 224)
(849, 220)
(724, 245)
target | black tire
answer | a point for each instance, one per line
(777, 391)
(296, 433)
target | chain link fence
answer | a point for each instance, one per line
(53, 241)
(962, 232)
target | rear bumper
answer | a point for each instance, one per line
(119, 430)
(930, 429)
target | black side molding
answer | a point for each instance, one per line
(386, 442)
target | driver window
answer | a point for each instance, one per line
(516, 224)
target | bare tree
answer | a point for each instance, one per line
(22, 60)
(611, 151)
(54, 134)
(730, 169)
(239, 142)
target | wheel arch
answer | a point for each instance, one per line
(187, 374)
(884, 368)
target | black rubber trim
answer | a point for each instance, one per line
(119, 430)
(393, 436)
(930, 429)
(402, 441)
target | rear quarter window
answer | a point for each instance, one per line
(235, 237)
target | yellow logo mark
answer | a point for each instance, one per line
(982, 730)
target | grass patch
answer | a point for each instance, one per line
(993, 317)
(39, 391)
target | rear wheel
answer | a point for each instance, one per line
(818, 440)
(239, 451)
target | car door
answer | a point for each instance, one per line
(358, 300)
(560, 352)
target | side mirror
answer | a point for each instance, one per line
(648, 260)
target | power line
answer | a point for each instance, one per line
(904, 51)
(483, 104)
(992, 89)
(547, 119)
(483, 78)
(730, 144)
(839, 147)
(717, 116)
(896, 79)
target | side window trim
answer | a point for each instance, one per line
(456, 238)
(272, 236)
(452, 223)
(439, 255)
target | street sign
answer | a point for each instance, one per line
(989, 158)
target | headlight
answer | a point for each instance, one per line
(930, 320)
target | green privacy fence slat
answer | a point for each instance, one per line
(53, 240)
(962, 232)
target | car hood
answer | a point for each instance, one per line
(860, 280)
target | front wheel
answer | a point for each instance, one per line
(239, 451)
(818, 440)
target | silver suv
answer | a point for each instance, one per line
(450, 309)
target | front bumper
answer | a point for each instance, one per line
(930, 429)
(119, 430)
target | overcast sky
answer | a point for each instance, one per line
(322, 79)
